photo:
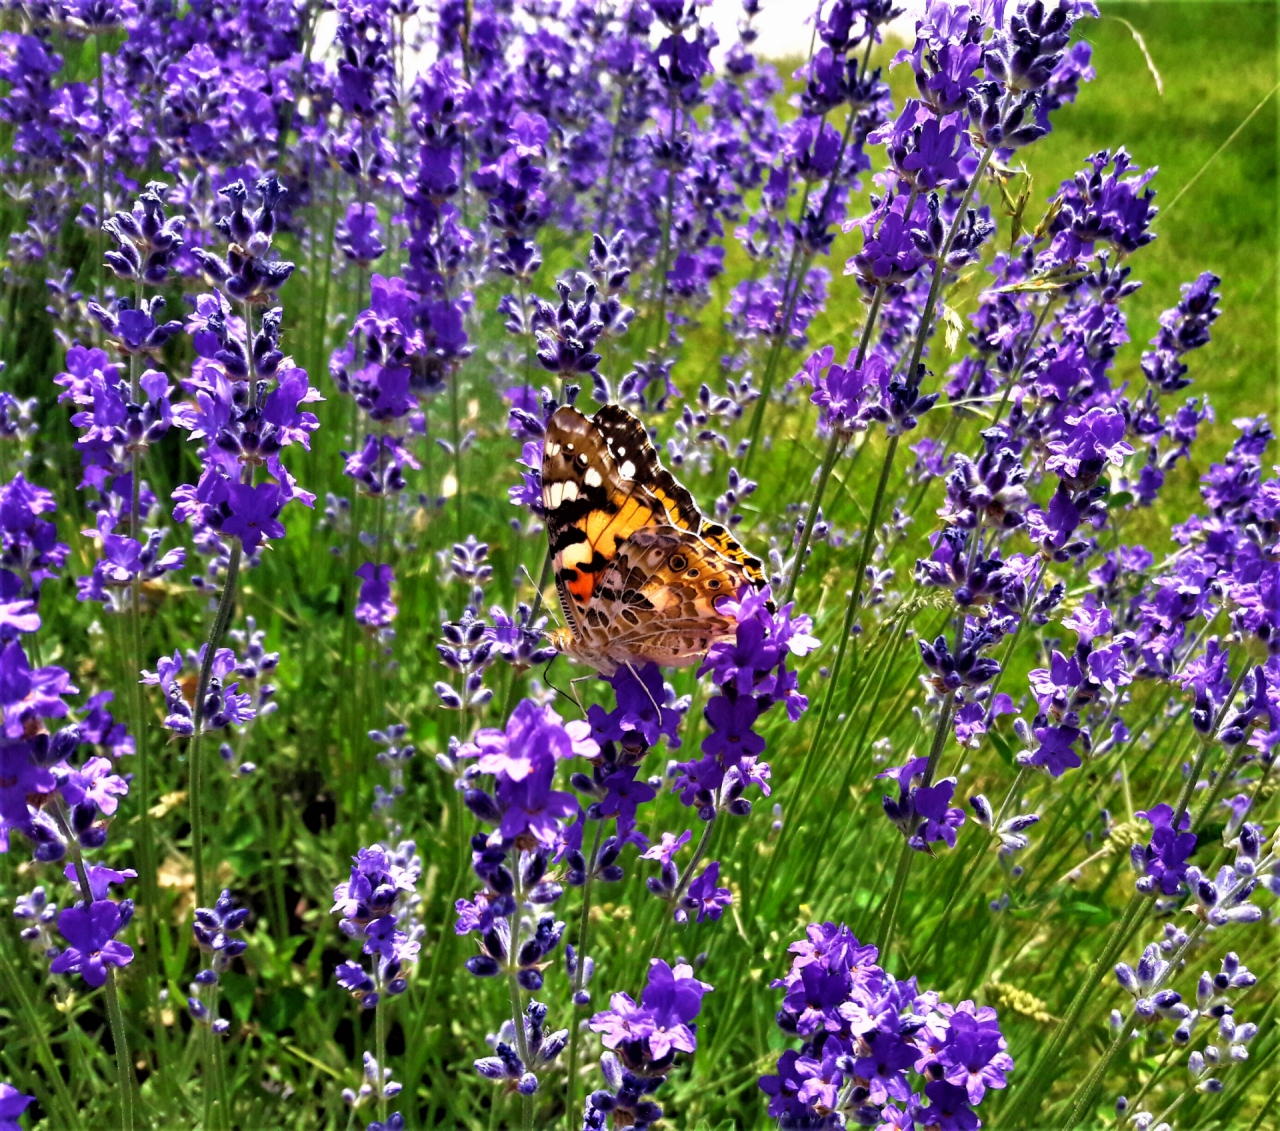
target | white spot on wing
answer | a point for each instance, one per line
(627, 470)
(552, 449)
(592, 478)
(555, 493)
(569, 491)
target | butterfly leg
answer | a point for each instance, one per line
(572, 687)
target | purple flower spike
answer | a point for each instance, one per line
(90, 931)
(374, 606)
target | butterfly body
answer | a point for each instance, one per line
(638, 570)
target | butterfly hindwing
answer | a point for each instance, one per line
(727, 546)
(658, 600)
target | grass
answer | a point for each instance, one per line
(282, 836)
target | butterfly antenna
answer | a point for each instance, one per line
(550, 608)
(631, 668)
(571, 694)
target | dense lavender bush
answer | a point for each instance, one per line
(297, 298)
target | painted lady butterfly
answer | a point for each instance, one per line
(637, 568)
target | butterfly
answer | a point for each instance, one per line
(638, 570)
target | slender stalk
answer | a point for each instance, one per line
(220, 1072)
(1206, 747)
(1017, 634)
(889, 916)
(584, 925)
(824, 714)
(380, 1052)
(698, 853)
(1155, 1075)
(124, 1069)
(1084, 1095)
(833, 452)
(221, 618)
(660, 269)
(834, 447)
(455, 422)
(100, 192)
(1028, 1098)
(136, 705)
(791, 296)
(522, 1043)
(602, 226)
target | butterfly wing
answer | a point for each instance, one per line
(601, 482)
(657, 601)
(728, 547)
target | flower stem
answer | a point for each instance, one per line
(1206, 746)
(522, 1044)
(136, 706)
(1027, 1099)
(1082, 1098)
(380, 1052)
(584, 925)
(834, 447)
(833, 452)
(660, 268)
(698, 853)
(221, 618)
(124, 1070)
(889, 915)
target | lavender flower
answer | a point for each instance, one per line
(865, 1031)
(90, 931)
(12, 1104)
(642, 1041)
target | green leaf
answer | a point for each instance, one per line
(239, 991)
(1119, 499)
(1003, 748)
(281, 1007)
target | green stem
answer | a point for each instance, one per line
(522, 1043)
(889, 916)
(660, 269)
(1206, 747)
(584, 925)
(833, 452)
(824, 714)
(1017, 634)
(698, 853)
(124, 1069)
(1028, 1098)
(221, 618)
(601, 227)
(100, 192)
(380, 1053)
(834, 447)
(791, 292)
(455, 422)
